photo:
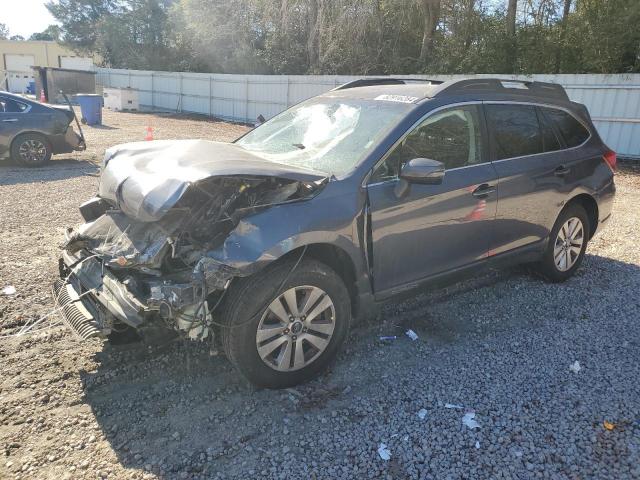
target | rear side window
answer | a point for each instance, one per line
(515, 129)
(549, 138)
(573, 132)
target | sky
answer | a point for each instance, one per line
(24, 17)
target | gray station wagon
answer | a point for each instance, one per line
(269, 246)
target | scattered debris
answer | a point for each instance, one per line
(575, 367)
(608, 425)
(477, 445)
(388, 338)
(411, 334)
(422, 414)
(453, 405)
(469, 420)
(9, 290)
(384, 452)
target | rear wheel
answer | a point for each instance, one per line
(567, 244)
(285, 327)
(31, 150)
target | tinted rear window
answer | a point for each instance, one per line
(573, 132)
(516, 130)
(549, 138)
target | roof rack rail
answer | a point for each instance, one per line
(497, 85)
(368, 82)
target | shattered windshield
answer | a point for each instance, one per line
(330, 135)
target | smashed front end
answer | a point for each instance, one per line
(143, 257)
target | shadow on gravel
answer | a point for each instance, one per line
(58, 169)
(100, 127)
(176, 410)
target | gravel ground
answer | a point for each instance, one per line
(499, 346)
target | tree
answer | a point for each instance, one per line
(430, 10)
(510, 47)
(356, 36)
(563, 34)
(80, 19)
(511, 18)
(51, 33)
(4, 31)
(18, 38)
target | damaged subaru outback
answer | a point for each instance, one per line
(269, 246)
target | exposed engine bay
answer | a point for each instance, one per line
(137, 268)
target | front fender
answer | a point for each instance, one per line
(266, 236)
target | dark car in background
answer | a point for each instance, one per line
(270, 245)
(30, 132)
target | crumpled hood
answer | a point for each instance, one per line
(146, 179)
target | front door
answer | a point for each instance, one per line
(433, 229)
(11, 117)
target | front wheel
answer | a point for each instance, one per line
(567, 244)
(284, 327)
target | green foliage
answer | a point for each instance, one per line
(80, 20)
(354, 36)
(51, 33)
(4, 31)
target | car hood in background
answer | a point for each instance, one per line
(146, 179)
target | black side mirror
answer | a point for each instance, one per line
(419, 170)
(423, 170)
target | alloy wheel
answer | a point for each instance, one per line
(568, 244)
(296, 328)
(32, 151)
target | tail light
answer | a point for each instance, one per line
(611, 159)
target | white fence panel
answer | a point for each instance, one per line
(612, 100)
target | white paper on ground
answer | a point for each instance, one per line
(575, 367)
(384, 452)
(411, 334)
(469, 420)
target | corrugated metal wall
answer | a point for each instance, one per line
(613, 100)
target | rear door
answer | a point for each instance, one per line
(433, 229)
(532, 168)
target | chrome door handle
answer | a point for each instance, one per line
(10, 120)
(483, 190)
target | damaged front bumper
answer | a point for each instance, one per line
(91, 297)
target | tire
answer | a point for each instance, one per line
(249, 315)
(557, 271)
(31, 150)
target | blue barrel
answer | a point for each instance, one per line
(91, 108)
